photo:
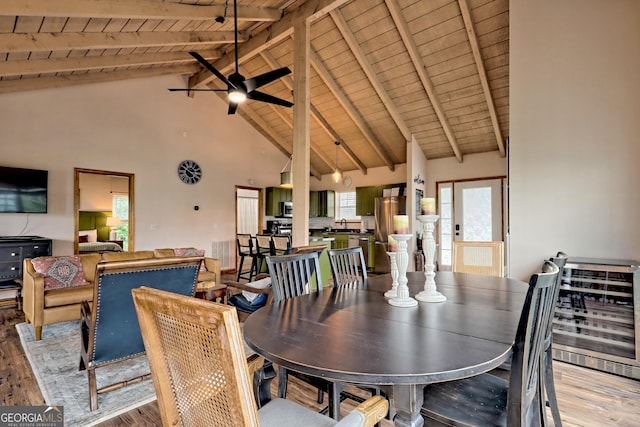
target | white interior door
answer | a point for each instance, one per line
(477, 210)
(469, 210)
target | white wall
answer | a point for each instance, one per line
(136, 126)
(575, 108)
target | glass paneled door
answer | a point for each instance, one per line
(469, 210)
(478, 210)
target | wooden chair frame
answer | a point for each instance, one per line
(200, 373)
(348, 267)
(109, 330)
(489, 400)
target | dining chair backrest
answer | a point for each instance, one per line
(347, 266)
(294, 275)
(201, 374)
(523, 404)
(560, 260)
(485, 258)
(197, 360)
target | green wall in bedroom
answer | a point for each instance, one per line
(98, 220)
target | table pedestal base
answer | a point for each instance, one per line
(407, 401)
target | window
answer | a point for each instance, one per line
(346, 206)
(120, 209)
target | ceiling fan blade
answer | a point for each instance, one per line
(268, 77)
(211, 68)
(261, 96)
(195, 90)
(233, 106)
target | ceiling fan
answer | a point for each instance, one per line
(238, 88)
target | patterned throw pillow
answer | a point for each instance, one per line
(60, 271)
(191, 252)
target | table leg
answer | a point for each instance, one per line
(407, 402)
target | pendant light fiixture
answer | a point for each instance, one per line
(337, 174)
(285, 176)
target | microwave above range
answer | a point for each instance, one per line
(286, 209)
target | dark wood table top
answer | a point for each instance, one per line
(354, 335)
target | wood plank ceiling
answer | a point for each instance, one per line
(382, 71)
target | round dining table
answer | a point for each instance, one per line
(353, 335)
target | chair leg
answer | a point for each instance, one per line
(93, 389)
(240, 268)
(282, 382)
(550, 388)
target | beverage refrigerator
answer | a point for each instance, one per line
(385, 209)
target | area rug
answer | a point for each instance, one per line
(54, 361)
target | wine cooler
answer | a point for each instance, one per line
(597, 319)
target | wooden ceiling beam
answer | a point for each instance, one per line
(39, 42)
(132, 9)
(275, 33)
(18, 85)
(371, 74)
(421, 69)
(359, 121)
(57, 65)
(271, 134)
(288, 82)
(482, 73)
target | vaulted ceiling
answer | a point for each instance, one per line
(382, 71)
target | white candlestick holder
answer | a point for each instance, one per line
(429, 294)
(402, 299)
(393, 292)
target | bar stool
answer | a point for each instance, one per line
(264, 248)
(281, 244)
(245, 249)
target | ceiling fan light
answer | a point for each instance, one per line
(237, 96)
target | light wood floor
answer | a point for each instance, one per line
(586, 397)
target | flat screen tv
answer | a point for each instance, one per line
(23, 190)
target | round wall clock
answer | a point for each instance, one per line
(189, 172)
(346, 181)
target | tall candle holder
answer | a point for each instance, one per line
(402, 299)
(429, 294)
(393, 292)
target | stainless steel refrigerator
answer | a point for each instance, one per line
(385, 209)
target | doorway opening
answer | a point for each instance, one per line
(249, 213)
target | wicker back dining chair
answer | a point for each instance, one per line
(200, 372)
(485, 258)
(347, 266)
(487, 399)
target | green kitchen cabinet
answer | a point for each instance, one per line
(314, 204)
(326, 203)
(274, 196)
(322, 204)
(341, 241)
(366, 199)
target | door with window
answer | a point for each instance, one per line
(469, 210)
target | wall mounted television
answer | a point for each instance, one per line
(23, 190)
